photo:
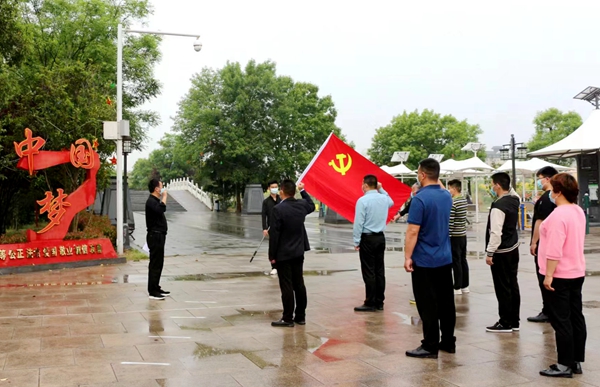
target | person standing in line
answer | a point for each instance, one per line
(542, 209)
(287, 243)
(458, 238)
(428, 258)
(562, 264)
(267, 209)
(370, 220)
(502, 249)
(406, 208)
(156, 225)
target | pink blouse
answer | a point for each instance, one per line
(562, 236)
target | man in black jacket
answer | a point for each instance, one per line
(267, 208)
(287, 243)
(156, 224)
(502, 249)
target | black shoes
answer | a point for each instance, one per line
(282, 323)
(300, 322)
(379, 307)
(366, 308)
(577, 368)
(156, 297)
(556, 371)
(540, 318)
(499, 328)
(422, 354)
(449, 348)
(164, 292)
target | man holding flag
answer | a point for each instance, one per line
(370, 219)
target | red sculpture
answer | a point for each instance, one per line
(61, 209)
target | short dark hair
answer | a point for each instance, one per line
(288, 187)
(566, 185)
(502, 179)
(456, 184)
(270, 183)
(547, 172)
(431, 168)
(371, 181)
(152, 184)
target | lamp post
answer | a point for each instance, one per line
(126, 151)
(121, 125)
(513, 151)
(400, 157)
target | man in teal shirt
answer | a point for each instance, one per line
(370, 220)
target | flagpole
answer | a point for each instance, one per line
(315, 157)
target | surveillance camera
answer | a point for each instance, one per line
(198, 45)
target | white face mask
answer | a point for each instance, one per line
(162, 190)
(274, 191)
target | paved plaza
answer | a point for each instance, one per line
(97, 327)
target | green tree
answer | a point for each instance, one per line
(551, 126)
(423, 134)
(242, 125)
(60, 86)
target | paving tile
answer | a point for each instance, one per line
(132, 373)
(50, 358)
(106, 355)
(20, 345)
(76, 376)
(342, 371)
(90, 341)
(69, 319)
(96, 329)
(20, 378)
(50, 331)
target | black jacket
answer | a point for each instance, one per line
(287, 237)
(155, 215)
(267, 209)
(502, 235)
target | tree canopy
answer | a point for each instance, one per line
(551, 126)
(240, 125)
(422, 134)
(57, 76)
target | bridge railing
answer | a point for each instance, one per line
(187, 184)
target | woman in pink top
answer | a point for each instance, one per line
(562, 263)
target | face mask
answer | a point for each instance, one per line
(553, 200)
(412, 195)
(539, 184)
(494, 194)
(274, 191)
(162, 190)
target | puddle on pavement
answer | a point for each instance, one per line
(245, 315)
(408, 320)
(203, 351)
(246, 274)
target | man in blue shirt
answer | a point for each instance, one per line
(369, 222)
(429, 258)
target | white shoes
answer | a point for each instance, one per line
(273, 272)
(466, 290)
(457, 292)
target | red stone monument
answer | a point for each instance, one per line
(47, 248)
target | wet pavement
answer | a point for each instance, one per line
(96, 326)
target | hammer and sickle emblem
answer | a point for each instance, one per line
(343, 166)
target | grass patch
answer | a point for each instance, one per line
(135, 255)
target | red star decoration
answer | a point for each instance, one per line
(108, 101)
(113, 161)
(95, 144)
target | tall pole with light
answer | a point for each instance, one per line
(513, 151)
(123, 126)
(400, 157)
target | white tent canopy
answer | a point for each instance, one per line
(586, 139)
(530, 166)
(398, 170)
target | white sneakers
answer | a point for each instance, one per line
(458, 292)
(273, 272)
(466, 290)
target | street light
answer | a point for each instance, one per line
(513, 152)
(126, 151)
(120, 202)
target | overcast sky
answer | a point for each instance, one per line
(492, 63)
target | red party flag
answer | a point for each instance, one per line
(335, 176)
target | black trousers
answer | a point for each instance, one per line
(435, 302)
(506, 286)
(372, 250)
(460, 267)
(540, 279)
(156, 244)
(293, 291)
(567, 319)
